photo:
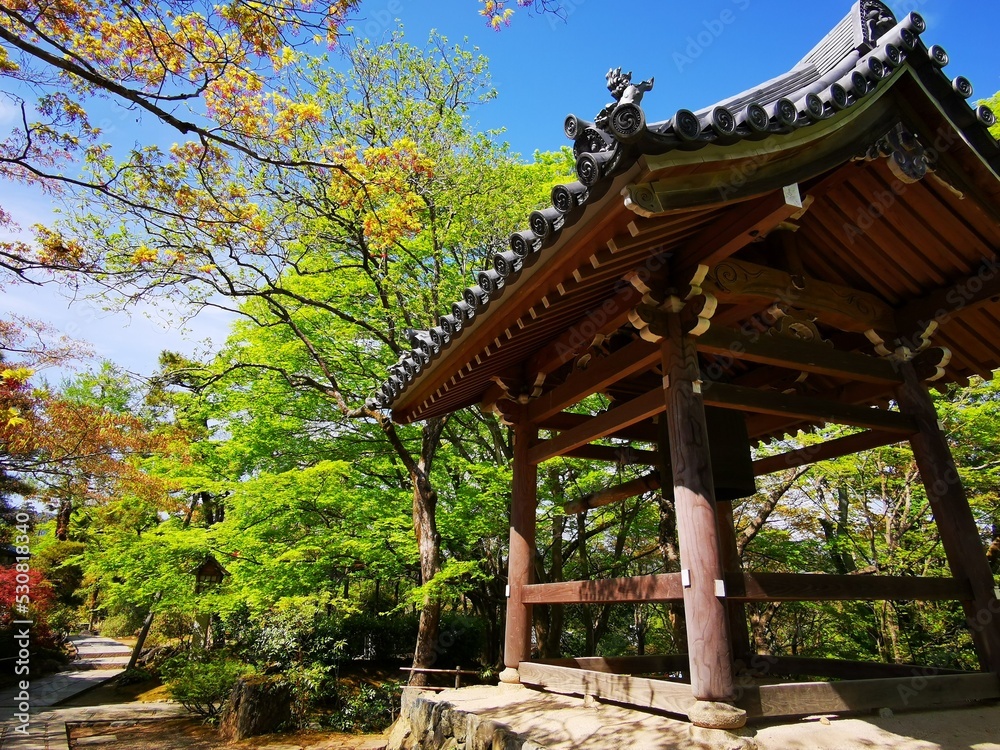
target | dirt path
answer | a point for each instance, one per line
(190, 734)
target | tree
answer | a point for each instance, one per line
(994, 104)
(328, 267)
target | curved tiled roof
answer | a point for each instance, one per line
(862, 53)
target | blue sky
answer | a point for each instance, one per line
(543, 69)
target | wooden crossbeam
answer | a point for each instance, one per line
(645, 483)
(645, 433)
(664, 587)
(631, 359)
(624, 455)
(739, 282)
(803, 587)
(806, 356)
(602, 425)
(803, 407)
(835, 448)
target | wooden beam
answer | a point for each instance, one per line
(602, 425)
(706, 617)
(648, 664)
(808, 698)
(632, 358)
(764, 665)
(642, 432)
(664, 587)
(637, 486)
(738, 282)
(942, 304)
(521, 559)
(835, 448)
(672, 697)
(816, 409)
(736, 229)
(624, 455)
(794, 354)
(819, 587)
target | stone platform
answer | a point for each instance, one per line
(518, 718)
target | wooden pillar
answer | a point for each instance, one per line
(520, 561)
(956, 524)
(738, 631)
(706, 618)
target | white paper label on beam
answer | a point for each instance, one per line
(686, 578)
(507, 591)
(720, 588)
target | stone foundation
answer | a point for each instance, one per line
(427, 724)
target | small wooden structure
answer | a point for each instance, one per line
(814, 250)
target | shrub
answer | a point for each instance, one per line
(133, 676)
(201, 682)
(371, 709)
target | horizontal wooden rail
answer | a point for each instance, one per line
(625, 455)
(648, 664)
(654, 588)
(673, 697)
(799, 587)
(804, 666)
(807, 698)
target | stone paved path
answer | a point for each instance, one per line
(98, 660)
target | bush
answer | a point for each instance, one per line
(201, 682)
(371, 709)
(133, 676)
(122, 624)
(379, 637)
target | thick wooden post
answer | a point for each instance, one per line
(956, 524)
(709, 648)
(520, 561)
(739, 632)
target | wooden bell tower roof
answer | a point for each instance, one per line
(817, 229)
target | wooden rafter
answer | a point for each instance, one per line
(602, 425)
(633, 358)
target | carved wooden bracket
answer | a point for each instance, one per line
(930, 364)
(903, 348)
(794, 324)
(838, 306)
(909, 161)
(643, 200)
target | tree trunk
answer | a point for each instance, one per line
(141, 640)
(63, 514)
(429, 546)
